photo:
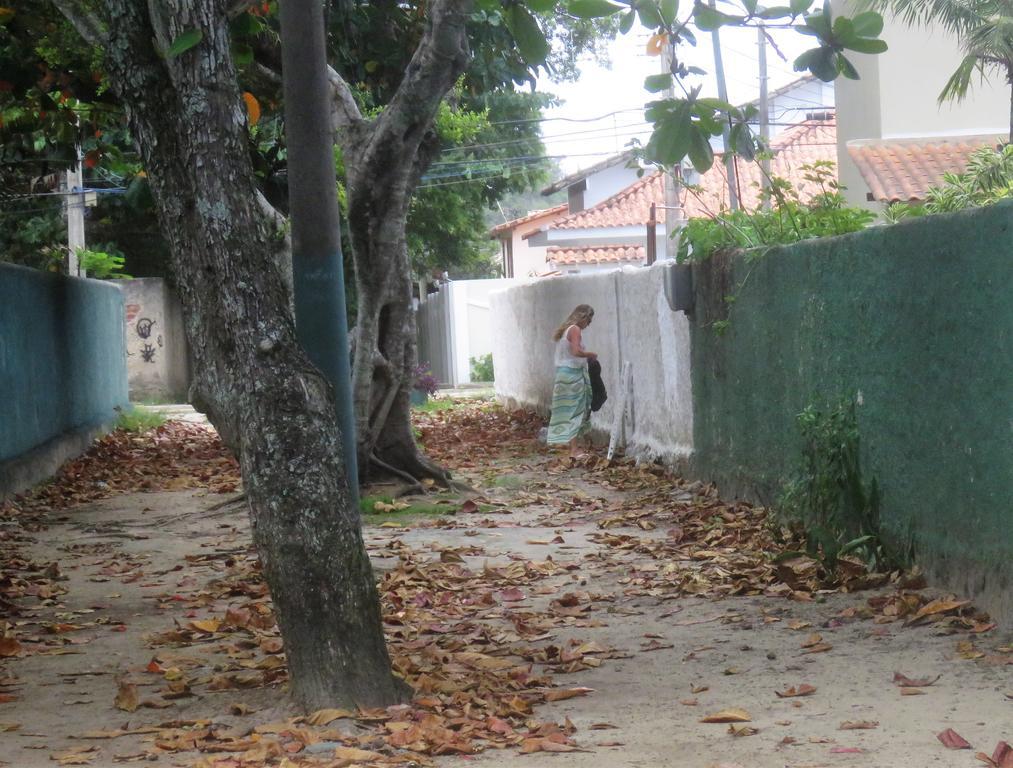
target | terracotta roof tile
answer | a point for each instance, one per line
(802, 145)
(506, 226)
(596, 254)
(904, 170)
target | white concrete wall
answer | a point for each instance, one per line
(607, 182)
(157, 351)
(632, 323)
(455, 325)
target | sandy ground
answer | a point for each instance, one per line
(685, 658)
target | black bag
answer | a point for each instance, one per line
(598, 393)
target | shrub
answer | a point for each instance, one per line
(481, 368)
(424, 381)
(782, 218)
(829, 503)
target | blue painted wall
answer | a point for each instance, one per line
(62, 358)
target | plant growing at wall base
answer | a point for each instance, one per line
(423, 379)
(829, 504)
(482, 368)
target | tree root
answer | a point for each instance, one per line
(415, 484)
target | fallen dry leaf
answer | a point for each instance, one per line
(126, 697)
(734, 715)
(858, 725)
(561, 694)
(802, 690)
(906, 682)
(325, 716)
(952, 740)
(9, 646)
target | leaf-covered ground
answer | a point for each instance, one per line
(588, 615)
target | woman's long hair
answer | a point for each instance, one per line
(580, 312)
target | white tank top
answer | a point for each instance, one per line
(563, 355)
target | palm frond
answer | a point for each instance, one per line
(957, 86)
(956, 16)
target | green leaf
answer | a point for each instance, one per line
(670, 140)
(866, 45)
(669, 10)
(741, 140)
(820, 24)
(658, 83)
(242, 54)
(819, 61)
(184, 42)
(708, 19)
(776, 12)
(868, 24)
(844, 30)
(592, 9)
(700, 151)
(246, 24)
(541, 6)
(846, 68)
(799, 6)
(750, 6)
(626, 22)
(527, 34)
(650, 15)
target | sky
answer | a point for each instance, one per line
(603, 110)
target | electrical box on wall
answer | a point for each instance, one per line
(678, 282)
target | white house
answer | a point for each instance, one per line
(524, 256)
(894, 138)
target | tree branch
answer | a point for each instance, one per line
(440, 58)
(345, 113)
(87, 24)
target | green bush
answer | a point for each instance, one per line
(987, 179)
(782, 217)
(139, 420)
(481, 368)
(828, 503)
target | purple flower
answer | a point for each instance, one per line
(423, 379)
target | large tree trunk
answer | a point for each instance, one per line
(384, 161)
(270, 404)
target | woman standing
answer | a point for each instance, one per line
(571, 391)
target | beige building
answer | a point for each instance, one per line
(894, 138)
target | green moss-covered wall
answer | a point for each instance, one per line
(62, 358)
(915, 321)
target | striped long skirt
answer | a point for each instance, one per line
(571, 405)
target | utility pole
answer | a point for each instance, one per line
(317, 264)
(729, 156)
(673, 211)
(764, 109)
(74, 204)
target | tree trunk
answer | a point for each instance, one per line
(273, 408)
(384, 161)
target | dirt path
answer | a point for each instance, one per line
(550, 580)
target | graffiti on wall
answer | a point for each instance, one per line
(139, 333)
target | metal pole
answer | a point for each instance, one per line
(317, 266)
(729, 158)
(652, 236)
(764, 109)
(75, 215)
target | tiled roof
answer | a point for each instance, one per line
(804, 144)
(904, 170)
(595, 254)
(507, 226)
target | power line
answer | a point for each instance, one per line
(568, 119)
